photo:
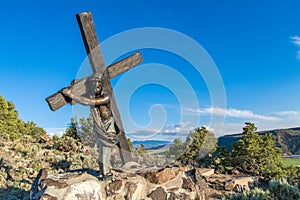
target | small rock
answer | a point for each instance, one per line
(158, 194)
(188, 184)
(235, 172)
(131, 187)
(113, 187)
(70, 186)
(48, 197)
(238, 188)
(183, 196)
(174, 189)
(206, 172)
(172, 196)
(150, 175)
(229, 186)
(243, 181)
(167, 174)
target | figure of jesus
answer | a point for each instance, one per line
(104, 124)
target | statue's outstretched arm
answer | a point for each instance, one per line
(84, 100)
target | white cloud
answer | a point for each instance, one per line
(296, 41)
(231, 112)
(55, 131)
(287, 113)
(170, 132)
(177, 128)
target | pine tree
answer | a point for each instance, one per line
(130, 144)
(86, 130)
(270, 158)
(12, 126)
(72, 130)
(176, 149)
(223, 160)
(256, 154)
(246, 151)
(208, 147)
(9, 121)
(33, 130)
(142, 149)
(197, 148)
(81, 131)
(195, 139)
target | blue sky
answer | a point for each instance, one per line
(254, 44)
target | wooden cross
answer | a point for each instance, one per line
(93, 50)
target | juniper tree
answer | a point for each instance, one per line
(176, 149)
(72, 130)
(256, 154)
(12, 126)
(196, 149)
(196, 139)
(81, 131)
(130, 144)
(245, 152)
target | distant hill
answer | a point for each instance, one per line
(150, 144)
(287, 139)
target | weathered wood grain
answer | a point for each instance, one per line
(125, 64)
(57, 100)
(93, 50)
(90, 40)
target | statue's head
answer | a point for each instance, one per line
(94, 84)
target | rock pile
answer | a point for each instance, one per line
(164, 184)
(21, 160)
(169, 183)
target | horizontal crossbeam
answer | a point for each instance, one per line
(57, 100)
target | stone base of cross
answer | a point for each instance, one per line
(93, 50)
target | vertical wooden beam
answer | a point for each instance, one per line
(93, 50)
(90, 40)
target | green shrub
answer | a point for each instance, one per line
(255, 194)
(196, 150)
(13, 126)
(254, 155)
(282, 190)
(26, 151)
(278, 190)
(26, 139)
(55, 139)
(4, 137)
(34, 149)
(19, 147)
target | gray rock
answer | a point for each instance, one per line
(125, 186)
(158, 194)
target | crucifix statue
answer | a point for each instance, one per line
(96, 91)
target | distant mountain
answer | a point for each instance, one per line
(287, 139)
(150, 144)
